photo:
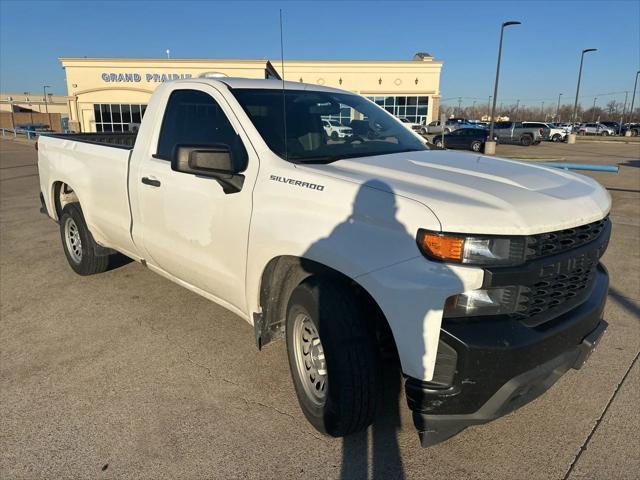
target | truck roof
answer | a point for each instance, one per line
(267, 84)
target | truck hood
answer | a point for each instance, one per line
(479, 194)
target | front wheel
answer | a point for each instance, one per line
(333, 357)
(438, 143)
(526, 140)
(605, 133)
(476, 146)
(556, 138)
(79, 246)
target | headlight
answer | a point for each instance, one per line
(472, 250)
(489, 301)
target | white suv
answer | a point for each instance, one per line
(335, 129)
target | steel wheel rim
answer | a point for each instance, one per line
(475, 147)
(310, 361)
(72, 239)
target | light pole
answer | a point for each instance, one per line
(473, 109)
(624, 109)
(489, 107)
(558, 109)
(459, 106)
(515, 117)
(44, 90)
(491, 143)
(633, 97)
(593, 110)
(575, 105)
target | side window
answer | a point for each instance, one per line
(193, 117)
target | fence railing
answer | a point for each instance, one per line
(14, 132)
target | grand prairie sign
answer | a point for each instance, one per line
(148, 77)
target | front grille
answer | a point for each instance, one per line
(560, 272)
(552, 243)
(555, 295)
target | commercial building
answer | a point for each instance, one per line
(110, 94)
(27, 102)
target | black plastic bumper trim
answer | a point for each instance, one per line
(503, 364)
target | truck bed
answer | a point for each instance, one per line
(109, 139)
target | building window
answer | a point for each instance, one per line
(412, 107)
(116, 117)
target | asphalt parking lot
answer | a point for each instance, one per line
(127, 375)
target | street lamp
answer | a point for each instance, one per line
(575, 105)
(46, 105)
(495, 88)
(593, 109)
(558, 109)
(633, 97)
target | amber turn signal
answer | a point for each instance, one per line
(441, 247)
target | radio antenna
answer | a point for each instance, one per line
(284, 106)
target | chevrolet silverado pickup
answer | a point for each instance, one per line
(481, 275)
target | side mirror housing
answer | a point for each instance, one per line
(213, 160)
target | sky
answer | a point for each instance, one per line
(540, 57)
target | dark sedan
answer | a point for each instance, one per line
(464, 138)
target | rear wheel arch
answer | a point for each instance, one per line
(284, 274)
(62, 194)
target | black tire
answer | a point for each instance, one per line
(350, 352)
(334, 135)
(605, 133)
(476, 146)
(526, 140)
(556, 138)
(84, 260)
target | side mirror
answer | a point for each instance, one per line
(214, 161)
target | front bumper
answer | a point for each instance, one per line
(503, 364)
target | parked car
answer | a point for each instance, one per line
(549, 132)
(334, 129)
(515, 132)
(449, 125)
(595, 129)
(634, 128)
(416, 127)
(615, 126)
(483, 274)
(464, 138)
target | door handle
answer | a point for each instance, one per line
(151, 181)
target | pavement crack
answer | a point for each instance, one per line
(583, 447)
(184, 349)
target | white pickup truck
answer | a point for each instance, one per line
(483, 274)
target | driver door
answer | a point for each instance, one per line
(188, 226)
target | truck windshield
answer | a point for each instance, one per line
(309, 139)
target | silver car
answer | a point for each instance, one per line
(595, 129)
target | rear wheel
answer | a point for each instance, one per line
(332, 356)
(79, 246)
(526, 140)
(438, 143)
(476, 146)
